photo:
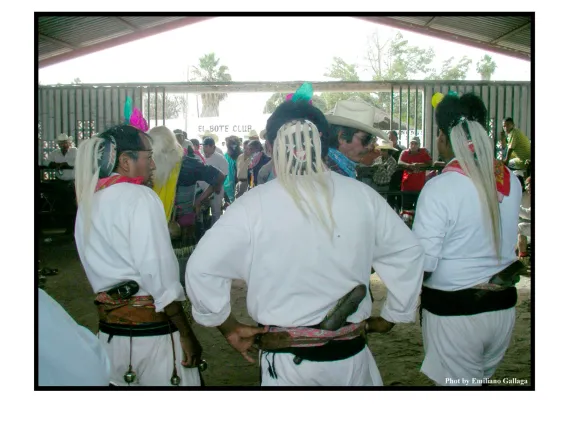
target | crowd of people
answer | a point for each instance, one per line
(290, 218)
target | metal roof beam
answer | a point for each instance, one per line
(511, 33)
(444, 35)
(289, 86)
(431, 21)
(57, 41)
(126, 23)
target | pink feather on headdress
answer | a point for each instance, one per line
(289, 97)
(137, 120)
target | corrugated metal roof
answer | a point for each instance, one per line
(62, 38)
(508, 35)
(65, 37)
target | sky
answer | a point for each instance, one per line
(259, 49)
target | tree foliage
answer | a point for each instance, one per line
(210, 71)
(486, 67)
(174, 106)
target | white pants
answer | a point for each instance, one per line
(359, 370)
(464, 350)
(240, 188)
(216, 206)
(525, 229)
(152, 360)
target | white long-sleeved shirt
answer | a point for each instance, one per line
(129, 240)
(458, 244)
(68, 354)
(57, 156)
(294, 270)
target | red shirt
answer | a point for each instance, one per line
(414, 181)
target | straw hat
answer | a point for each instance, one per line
(63, 137)
(263, 134)
(386, 145)
(208, 134)
(252, 134)
(357, 115)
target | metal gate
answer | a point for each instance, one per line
(82, 111)
(502, 100)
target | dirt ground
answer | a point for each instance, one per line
(398, 354)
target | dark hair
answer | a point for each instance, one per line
(509, 120)
(347, 134)
(452, 109)
(194, 141)
(256, 145)
(129, 140)
(209, 142)
(288, 111)
(245, 143)
(393, 132)
(180, 132)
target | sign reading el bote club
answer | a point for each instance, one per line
(225, 128)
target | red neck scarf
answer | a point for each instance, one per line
(111, 180)
(502, 176)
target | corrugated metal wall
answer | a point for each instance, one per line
(502, 100)
(82, 111)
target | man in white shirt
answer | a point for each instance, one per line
(68, 354)
(213, 158)
(468, 299)
(124, 245)
(63, 159)
(215, 138)
(298, 263)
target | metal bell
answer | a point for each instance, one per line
(202, 365)
(175, 380)
(129, 376)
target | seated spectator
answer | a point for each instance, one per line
(413, 161)
(519, 148)
(385, 166)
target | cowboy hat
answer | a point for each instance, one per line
(208, 134)
(357, 115)
(386, 145)
(252, 134)
(263, 134)
(63, 137)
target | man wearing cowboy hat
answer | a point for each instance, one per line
(352, 135)
(253, 136)
(385, 166)
(63, 159)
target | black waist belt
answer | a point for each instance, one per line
(335, 350)
(138, 330)
(467, 302)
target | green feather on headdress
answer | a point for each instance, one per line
(128, 109)
(305, 93)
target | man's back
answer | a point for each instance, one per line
(294, 269)
(449, 221)
(128, 240)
